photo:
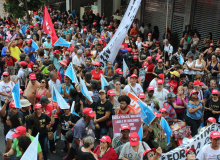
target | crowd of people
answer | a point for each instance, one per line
(178, 92)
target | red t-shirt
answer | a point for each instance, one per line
(30, 65)
(150, 68)
(48, 110)
(10, 62)
(173, 86)
(96, 76)
(124, 45)
(109, 155)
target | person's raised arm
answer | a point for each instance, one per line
(3, 110)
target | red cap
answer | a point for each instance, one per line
(56, 51)
(190, 149)
(161, 76)
(201, 84)
(135, 57)
(12, 104)
(133, 76)
(157, 42)
(124, 127)
(89, 112)
(90, 10)
(5, 73)
(29, 41)
(18, 25)
(105, 139)
(19, 131)
(149, 34)
(27, 30)
(32, 76)
(94, 23)
(36, 25)
(85, 11)
(215, 91)
(55, 22)
(134, 139)
(149, 58)
(7, 26)
(148, 150)
(64, 62)
(162, 110)
(150, 88)
(110, 27)
(157, 114)
(68, 22)
(167, 28)
(212, 44)
(7, 41)
(102, 37)
(23, 63)
(76, 24)
(159, 81)
(135, 19)
(160, 60)
(21, 91)
(215, 134)
(129, 49)
(211, 119)
(31, 26)
(37, 106)
(112, 16)
(97, 64)
(84, 29)
(141, 95)
(102, 91)
(197, 82)
(111, 93)
(97, 14)
(193, 91)
(88, 54)
(1, 27)
(1, 36)
(66, 77)
(119, 71)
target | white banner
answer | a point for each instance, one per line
(111, 50)
(197, 142)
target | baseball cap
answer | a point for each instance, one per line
(36, 25)
(37, 106)
(150, 88)
(5, 73)
(189, 56)
(19, 131)
(171, 95)
(102, 91)
(161, 76)
(212, 44)
(55, 23)
(84, 29)
(167, 28)
(141, 95)
(22, 63)
(105, 139)
(148, 150)
(149, 58)
(64, 62)
(97, 14)
(29, 41)
(135, 57)
(159, 81)
(88, 54)
(160, 60)
(193, 91)
(48, 36)
(18, 25)
(157, 42)
(133, 76)
(157, 114)
(89, 112)
(215, 91)
(146, 45)
(196, 83)
(110, 27)
(68, 22)
(102, 37)
(32, 76)
(97, 63)
(27, 30)
(119, 71)
(25, 103)
(56, 51)
(12, 104)
(134, 139)
(124, 127)
(31, 26)
(7, 41)
(110, 92)
(94, 23)
(201, 83)
(21, 91)
(215, 134)
(190, 149)
(162, 110)
(149, 34)
(175, 73)
(211, 119)
(44, 99)
(76, 24)
(129, 49)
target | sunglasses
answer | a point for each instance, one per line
(42, 82)
(45, 58)
(79, 67)
(191, 153)
(96, 66)
(195, 93)
(5, 76)
(35, 67)
(38, 61)
(215, 95)
(118, 84)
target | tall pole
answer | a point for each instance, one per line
(26, 9)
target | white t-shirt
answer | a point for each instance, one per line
(169, 49)
(21, 75)
(77, 61)
(6, 88)
(8, 135)
(207, 153)
(161, 96)
(153, 83)
(137, 89)
(56, 85)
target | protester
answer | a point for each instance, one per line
(152, 154)
(133, 87)
(151, 100)
(209, 122)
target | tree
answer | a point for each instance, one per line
(17, 7)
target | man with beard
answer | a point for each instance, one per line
(124, 105)
(46, 61)
(17, 65)
(39, 75)
(89, 67)
(9, 59)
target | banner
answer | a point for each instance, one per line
(197, 142)
(111, 50)
(134, 103)
(133, 120)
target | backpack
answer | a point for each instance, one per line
(26, 73)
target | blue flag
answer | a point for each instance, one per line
(166, 128)
(16, 95)
(32, 150)
(54, 98)
(72, 109)
(124, 67)
(219, 118)
(71, 74)
(140, 133)
(61, 102)
(23, 29)
(34, 45)
(85, 91)
(146, 114)
(61, 42)
(104, 82)
(181, 60)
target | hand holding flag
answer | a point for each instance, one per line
(61, 42)
(166, 128)
(85, 91)
(71, 74)
(146, 114)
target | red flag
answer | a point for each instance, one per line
(48, 26)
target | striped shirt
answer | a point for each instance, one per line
(171, 113)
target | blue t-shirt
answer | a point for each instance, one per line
(67, 90)
(26, 50)
(90, 68)
(196, 115)
(4, 49)
(47, 45)
(208, 92)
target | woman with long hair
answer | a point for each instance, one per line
(184, 42)
(65, 88)
(208, 52)
(118, 92)
(135, 50)
(134, 70)
(196, 39)
(96, 73)
(108, 71)
(207, 41)
(188, 67)
(80, 69)
(213, 67)
(42, 91)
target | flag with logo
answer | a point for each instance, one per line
(71, 74)
(73, 110)
(84, 90)
(146, 114)
(23, 29)
(16, 95)
(54, 98)
(61, 102)
(61, 42)
(104, 82)
(166, 128)
(125, 66)
(181, 60)
(34, 45)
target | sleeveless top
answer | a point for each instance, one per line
(199, 66)
(210, 68)
(186, 71)
(38, 96)
(116, 103)
(128, 112)
(158, 71)
(185, 43)
(195, 40)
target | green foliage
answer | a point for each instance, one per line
(12, 6)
